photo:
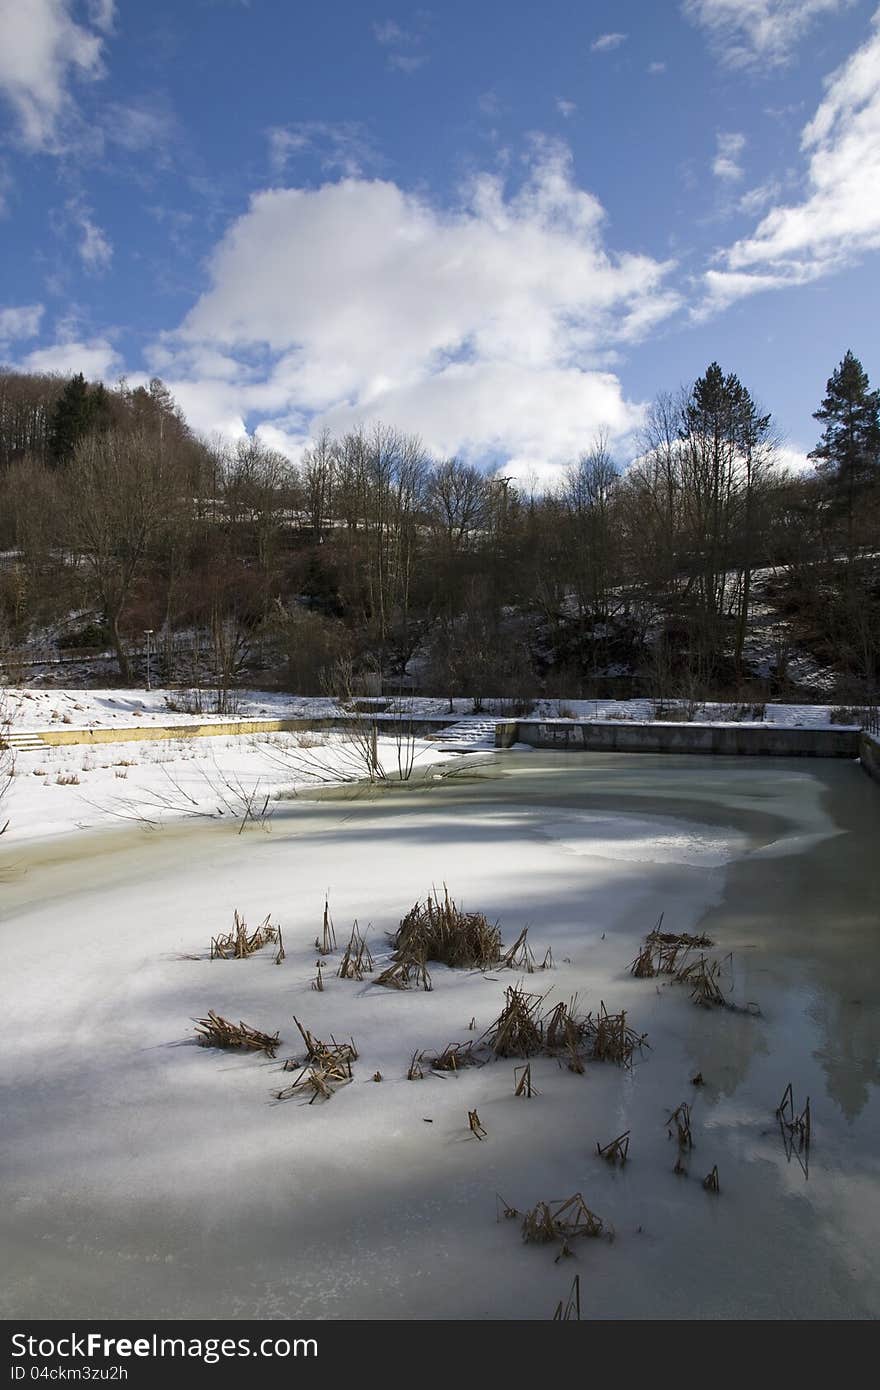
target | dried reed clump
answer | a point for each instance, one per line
(403, 974)
(550, 1221)
(239, 943)
(454, 1057)
(215, 1031)
(441, 931)
(326, 1068)
(517, 1031)
(663, 952)
(610, 1039)
(703, 977)
(710, 1181)
(357, 961)
(521, 1031)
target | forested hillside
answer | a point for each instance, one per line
(700, 568)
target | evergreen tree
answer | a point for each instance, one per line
(80, 408)
(848, 453)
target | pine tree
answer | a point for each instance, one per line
(80, 409)
(848, 453)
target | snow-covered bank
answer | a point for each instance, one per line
(92, 709)
(59, 790)
(145, 1176)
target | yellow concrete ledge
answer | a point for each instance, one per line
(59, 736)
(56, 735)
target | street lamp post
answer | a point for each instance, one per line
(148, 632)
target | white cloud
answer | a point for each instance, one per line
(839, 218)
(795, 460)
(5, 188)
(565, 108)
(102, 14)
(344, 147)
(483, 327)
(655, 68)
(95, 248)
(406, 62)
(726, 163)
(401, 42)
(389, 33)
(21, 321)
(43, 48)
(758, 33)
(606, 42)
(96, 358)
(137, 126)
(756, 199)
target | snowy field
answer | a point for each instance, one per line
(145, 1176)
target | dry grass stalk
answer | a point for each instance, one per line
(710, 1181)
(215, 1031)
(326, 942)
(517, 1032)
(415, 1073)
(522, 1078)
(472, 1025)
(570, 1311)
(564, 1032)
(504, 1209)
(681, 1118)
(799, 1126)
(563, 1221)
(698, 1079)
(615, 1152)
(520, 956)
(441, 931)
(318, 981)
(453, 1057)
(402, 974)
(476, 1128)
(357, 961)
(704, 979)
(239, 943)
(547, 962)
(643, 966)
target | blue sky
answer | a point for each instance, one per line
(503, 227)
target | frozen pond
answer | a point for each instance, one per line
(144, 1176)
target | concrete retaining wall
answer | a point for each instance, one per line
(869, 753)
(762, 741)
